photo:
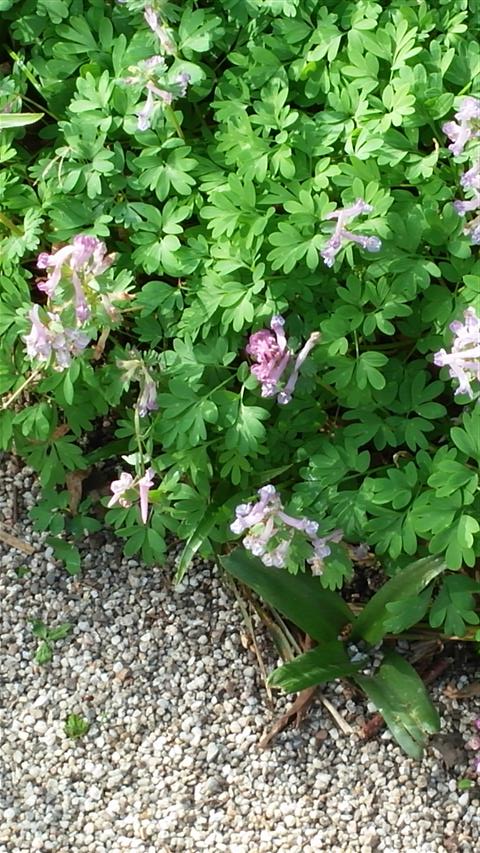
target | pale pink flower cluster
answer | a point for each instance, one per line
(71, 271)
(269, 349)
(269, 531)
(466, 126)
(50, 341)
(161, 90)
(341, 235)
(127, 489)
(463, 361)
(164, 35)
(462, 131)
(81, 261)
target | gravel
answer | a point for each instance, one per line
(170, 687)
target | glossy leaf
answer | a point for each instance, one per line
(317, 666)
(372, 623)
(399, 694)
(301, 598)
(9, 120)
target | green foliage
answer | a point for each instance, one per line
(216, 214)
(400, 696)
(47, 637)
(76, 726)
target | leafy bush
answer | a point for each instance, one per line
(179, 180)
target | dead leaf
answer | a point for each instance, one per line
(74, 480)
(298, 710)
(100, 345)
(60, 431)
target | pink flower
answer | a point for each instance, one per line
(463, 361)
(126, 484)
(52, 339)
(119, 488)
(163, 35)
(270, 531)
(466, 127)
(38, 341)
(144, 486)
(81, 262)
(341, 235)
(272, 355)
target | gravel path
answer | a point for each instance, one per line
(176, 710)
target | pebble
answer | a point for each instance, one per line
(177, 708)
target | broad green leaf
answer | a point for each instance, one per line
(68, 553)
(399, 694)
(9, 120)
(195, 541)
(371, 624)
(44, 654)
(60, 632)
(324, 663)
(301, 598)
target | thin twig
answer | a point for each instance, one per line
(341, 723)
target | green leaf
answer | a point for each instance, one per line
(39, 629)
(407, 612)
(324, 663)
(399, 694)
(301, 598)
(44, 653)
(454, 606)
(68, 553)
(76, 726)
(195, 541)
(371, 624)
(9, 120)
(60, 632)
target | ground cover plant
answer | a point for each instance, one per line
(239, 279)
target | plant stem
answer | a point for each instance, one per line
(5, 220)
(24, 385)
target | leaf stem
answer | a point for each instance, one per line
(5, 220)
(22, 387)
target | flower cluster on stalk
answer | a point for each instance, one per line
(153, 75)
(463, 361)
(134, 369)
(75, 298)
(342, 235)
(273, 358)
(269, 532)
(463, 132)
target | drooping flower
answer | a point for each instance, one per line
(270, 531)
(147, 400)
(52, 339)
(341, 235)
(119, 488)
(135, 370)
(269, 349)
(124, 491)
(144, 486)
(471, 178)
(164, 36)
(466, 126)
(463, 361)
